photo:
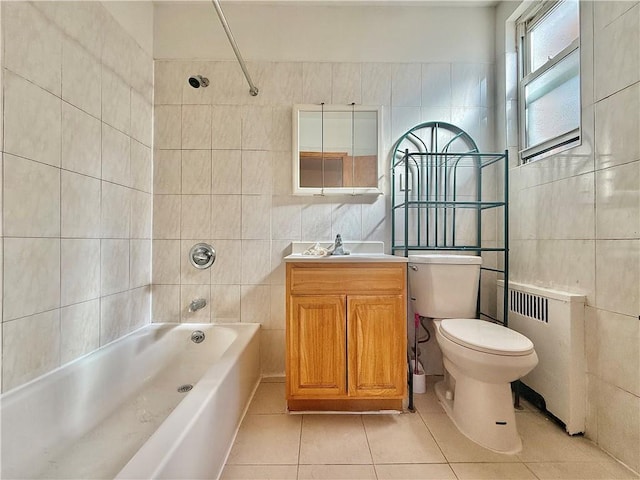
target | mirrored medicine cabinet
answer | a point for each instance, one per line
(336, 149)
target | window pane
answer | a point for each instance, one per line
(553, 101)
(554, 32)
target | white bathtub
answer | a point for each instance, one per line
(116, 413)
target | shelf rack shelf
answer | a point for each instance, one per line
(443, 192)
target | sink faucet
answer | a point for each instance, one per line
(337, 248)
(197, 304)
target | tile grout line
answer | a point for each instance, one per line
(299, 445)
(364, 428)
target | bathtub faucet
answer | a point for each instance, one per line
(197, 304)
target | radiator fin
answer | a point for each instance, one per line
(529, 305)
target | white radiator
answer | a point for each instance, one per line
(554, 322)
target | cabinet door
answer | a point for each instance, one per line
(316, 338)
(376, 345)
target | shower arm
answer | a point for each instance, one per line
(253, 90)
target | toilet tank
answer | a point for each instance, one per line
(444, 286)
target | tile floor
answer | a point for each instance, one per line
(272, 444)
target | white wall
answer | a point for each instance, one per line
(322, 33)
(76, 210)
(136, 18)
(575, 216)
(223, 161)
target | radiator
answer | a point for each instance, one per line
(554, 322)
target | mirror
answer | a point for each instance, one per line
(336, 149)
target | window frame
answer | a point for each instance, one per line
(524, 25)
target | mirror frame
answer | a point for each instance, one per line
(299, 190)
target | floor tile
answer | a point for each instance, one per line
(272, 444)
(401, 439)
(414, 471)
(260, 472)
(333, 439)
(455, 446)
(268, 399)
(427, 402)
(272, 380)
(267, 439)
(581, 471)
(337, 472)
(545, 441)
(492, 471)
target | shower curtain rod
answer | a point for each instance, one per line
(253, 90)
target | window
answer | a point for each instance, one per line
(549, 80)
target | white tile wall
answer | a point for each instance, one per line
(33, 46)
(42, 333)
(81, 198)
(243, 145)
(574, 222)
(116, 101)
(166, 216)
(196, 172)
(25, 214)
(80, 279)
(77, 120)
(32, 120)
(617, 142)
(116, 210)
(31, 276)
(616, 50)
(81, 141)
(195, 217)
(81, 74)
(116, 156)
(115, 316)
(114, 266)
(376, 84)
(79, 329)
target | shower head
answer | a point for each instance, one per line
(197, 81)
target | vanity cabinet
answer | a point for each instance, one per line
(346, 336)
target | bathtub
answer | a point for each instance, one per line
(117, 412)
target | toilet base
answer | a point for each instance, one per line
(483, 412)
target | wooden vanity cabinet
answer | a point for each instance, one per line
(346, 336)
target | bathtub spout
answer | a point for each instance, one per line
(197, 304)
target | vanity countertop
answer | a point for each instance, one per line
(352, 258)
(361, 252)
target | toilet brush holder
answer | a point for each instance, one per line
(419, 380)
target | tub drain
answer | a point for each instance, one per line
(185, 388)
(197, 336)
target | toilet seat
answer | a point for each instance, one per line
(486, 337)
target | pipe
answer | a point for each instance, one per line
(253, 90)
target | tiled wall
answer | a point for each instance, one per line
(575, 220)
(222, 174)
(77, 184)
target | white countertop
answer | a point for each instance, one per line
(353, 258)
(361, 252)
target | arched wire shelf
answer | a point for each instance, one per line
(446, 197)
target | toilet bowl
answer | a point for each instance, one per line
(480, 358)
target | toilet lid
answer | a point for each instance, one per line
(485, 336)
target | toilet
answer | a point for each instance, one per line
(480, 358)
